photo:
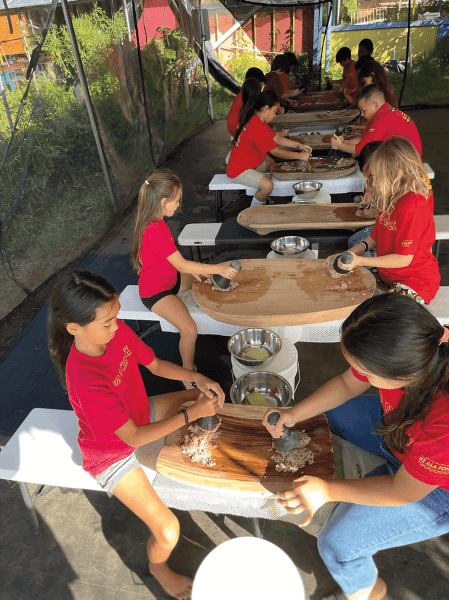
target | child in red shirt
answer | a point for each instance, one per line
(254, 139)
(398, 346)
(404, 232)
(383, 122)
(233, 116)
(349, 80)
(98, 358)
(162, 270)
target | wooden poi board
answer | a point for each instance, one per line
(305, 104)
(278, 217)
(320, 118)
(321, 141)
(276, 293)
(243, 454)
(317, 168)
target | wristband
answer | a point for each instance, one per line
(365, 246)
(186, 415)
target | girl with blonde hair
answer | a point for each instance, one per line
(162, 270)
(398, 187)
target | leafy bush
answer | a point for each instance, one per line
(244, 59)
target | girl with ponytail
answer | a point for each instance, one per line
(254, 139)
(98, 357)
(395, 344)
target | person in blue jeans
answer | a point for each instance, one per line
(395, 344)
(368, 212)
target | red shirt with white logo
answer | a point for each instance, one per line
(250, 150)
(387, 123)
(426, 453)
(105, 392)
(157, 274)
(410, 230)
(233, 116)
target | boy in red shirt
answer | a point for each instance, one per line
(384, 122)
(349, 80)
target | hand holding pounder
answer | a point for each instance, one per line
(291, 436)
(224, 282)
(208, 423)
(347, 258)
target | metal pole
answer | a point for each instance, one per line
(5, 102)
(79, 66)
(206, 60)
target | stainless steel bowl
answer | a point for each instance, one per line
(307, 189)
(254, 346)
(290, 245)
(261, 388)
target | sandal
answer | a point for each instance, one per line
(378, 592)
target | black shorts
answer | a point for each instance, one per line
(151, 301)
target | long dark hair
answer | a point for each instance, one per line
(394, 337)
(160, 183)
(74, 299)
(250, 91)
(372, 67)
(267, 98)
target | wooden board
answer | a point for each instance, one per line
(276, 217)
(275, 293)
(243, 454)
(321, 141)
(317, 168)
(305, 104)
(322, 118)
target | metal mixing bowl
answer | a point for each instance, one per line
(253, 341)
(269, 389)
(307, 189)
(290, 245)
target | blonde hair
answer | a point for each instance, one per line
(160, 184)
(397, 168)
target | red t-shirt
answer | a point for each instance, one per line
(286, 82)
(233, 116)
(250, 150)
(349, 77)
(105, 392)
(157, 274)
(426, 454)
(387, 123)
(410, 230)
(273, 83)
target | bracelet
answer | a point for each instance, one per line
(186, 416)
(365, 246)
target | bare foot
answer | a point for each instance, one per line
(177, 586)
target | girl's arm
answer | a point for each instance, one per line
(290, 93)
(311, 493)
(138, 435)
(168, 370)
(334, 393)
(283, 141)
(197, 269)
(338, 143)
(283, 153)
(388, 261)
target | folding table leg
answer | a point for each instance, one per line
(30, 506)
(257, 530)
(219, 206)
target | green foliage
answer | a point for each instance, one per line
(222, 100)
(96, 34)
(243, 60)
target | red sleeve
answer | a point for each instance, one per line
(409, 226)
(265, 138)
(358, 376)
(143, 353)
(371, 134)
(233, 116)
(428, 459)
(273, 82)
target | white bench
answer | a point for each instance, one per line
(44, 451)
(132, 308)
(339, 185)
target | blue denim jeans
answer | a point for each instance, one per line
(358, 237)
(353, 532)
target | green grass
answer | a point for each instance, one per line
(423, 86)
(222, 100)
